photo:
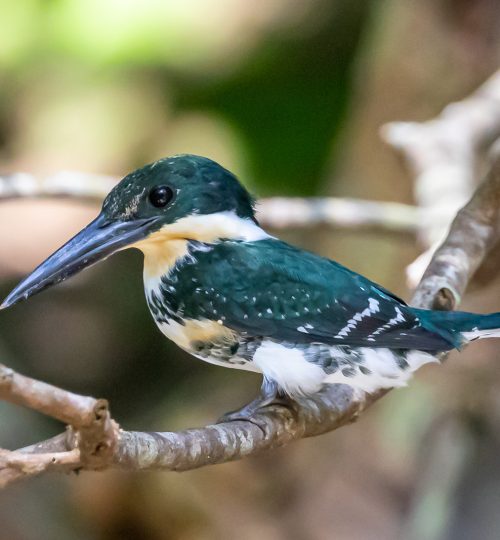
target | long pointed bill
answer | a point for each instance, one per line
(100, 239)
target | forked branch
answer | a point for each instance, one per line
(444, 155)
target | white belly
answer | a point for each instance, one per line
(289, 368)
(297, 375)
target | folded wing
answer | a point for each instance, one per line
(269, 288)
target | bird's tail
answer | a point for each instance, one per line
(463, 326)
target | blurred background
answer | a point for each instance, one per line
(290, 96)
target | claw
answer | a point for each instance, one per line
(269, 395)
(243, 416)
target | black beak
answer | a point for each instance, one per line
(100, 239)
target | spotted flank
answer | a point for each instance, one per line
(301, 369)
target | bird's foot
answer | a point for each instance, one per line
(245, 414)
(248, 411)
(269, 396)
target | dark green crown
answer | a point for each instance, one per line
(198, 185)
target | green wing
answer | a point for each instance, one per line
(269, 288)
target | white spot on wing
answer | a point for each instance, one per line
(481, 334)
(373, 307)
(392, 322)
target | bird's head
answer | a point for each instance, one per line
(158, 209)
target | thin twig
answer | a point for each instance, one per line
(443, 155)
(60, 404)
(474, 231)
(89, 443)
(273, 212)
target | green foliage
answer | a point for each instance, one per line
(283, 95)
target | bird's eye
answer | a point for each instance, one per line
(160, 196)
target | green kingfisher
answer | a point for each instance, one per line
(229, 293)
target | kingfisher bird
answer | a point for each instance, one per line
(229, 293)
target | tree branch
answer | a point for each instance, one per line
(273, 212)
(473, 233)
(60, 404)
(95, 442)
(444, 155)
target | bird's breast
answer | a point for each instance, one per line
(204, 338)
(198, 335)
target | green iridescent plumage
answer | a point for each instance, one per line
(269, 288)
